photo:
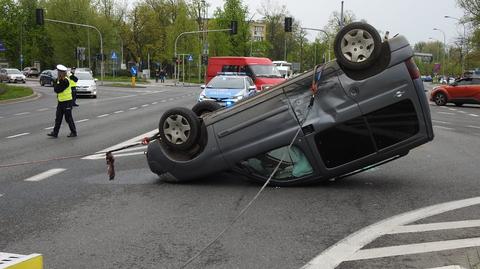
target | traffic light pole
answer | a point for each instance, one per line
(185, 33)
(102, 71)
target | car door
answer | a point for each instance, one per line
(459, 90)
(390, 103)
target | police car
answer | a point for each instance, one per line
(227, 88)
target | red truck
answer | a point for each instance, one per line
(262, 71)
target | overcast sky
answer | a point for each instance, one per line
(414, 19)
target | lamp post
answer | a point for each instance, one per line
(464, 41)
(444, 48)
(438, 47)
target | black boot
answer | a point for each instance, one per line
(53, 135)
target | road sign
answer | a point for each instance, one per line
(114, 55)
(2, 47)
(133, 70)
(190, 58)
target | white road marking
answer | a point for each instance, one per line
(21, 113)
(452, 109)
(473, 115)
(1, 194)
(171, 99)
(133, 108)
(154, 103)
(347, 247)
(128, 142)
(442, 127)
(42, 109)
(17, 135)
(46, 174)
(145, 105)
(449, 267)
(116, 112)
(104, 115)
(462, 112)
(1, 117)
(78, 121)
(444, 122)
(48, 128)
(475, 127)
(435, 226)
(409, 249)
(446, 113)
(163, 101)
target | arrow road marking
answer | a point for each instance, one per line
(347, 248)
(46, 174)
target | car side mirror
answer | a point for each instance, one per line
(202, 86)
(95, 79)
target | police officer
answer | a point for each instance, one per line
(63, 88)
(73, 81)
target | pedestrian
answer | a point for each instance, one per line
(157, 75)
(63, 88)
(162, 75)
(73, 81)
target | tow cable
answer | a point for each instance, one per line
(108, 156)
(317, 74)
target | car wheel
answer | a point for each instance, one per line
(458, 104)
(179, 128)
(204, 107)
(357, 46)
(42, 83)
(440, 99)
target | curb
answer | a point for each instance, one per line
(33, 96)
(17, 261)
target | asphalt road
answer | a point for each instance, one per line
(76, 218)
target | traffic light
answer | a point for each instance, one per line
(39, 16)
(205, 59)
(288, 24)
(233, 27)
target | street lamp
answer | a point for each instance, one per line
(444, 48)
(464, 40)
(438, 47)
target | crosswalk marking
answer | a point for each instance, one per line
(46, 174)
(436, 226)
(409, 249)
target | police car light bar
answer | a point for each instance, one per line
(231, 74)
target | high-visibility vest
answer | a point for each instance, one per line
(72, 83)
(66, 95)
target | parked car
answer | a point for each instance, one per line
(47, 77)
(31, 72)
(226, 89)
(463, 91)
(11, 75)
(262, 70)
(86, 84)
(427, 78)
(364, 109)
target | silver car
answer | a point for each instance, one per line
(86, 84)
(366, 108)
(11, 75)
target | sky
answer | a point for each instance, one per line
(415, 19)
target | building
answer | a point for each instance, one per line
(258, 30)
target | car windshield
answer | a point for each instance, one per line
(226, 83)
(84, 76)
(267, 71)
(13, 71)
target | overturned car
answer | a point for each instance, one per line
(365, 108)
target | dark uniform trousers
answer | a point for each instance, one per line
(64, 108)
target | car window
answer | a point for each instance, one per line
(230, 68)
(250, 81)
(84, 76)
(464, 82)
(222, 82)
(264, 70)
(476, 81)
(14, 71)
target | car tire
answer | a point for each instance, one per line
(42, 83)
(458, 104)
(357, 46)
(440, 99)
(204, 107)
(179, 128)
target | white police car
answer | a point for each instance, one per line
(227, 88)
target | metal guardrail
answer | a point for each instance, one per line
(18, 261)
